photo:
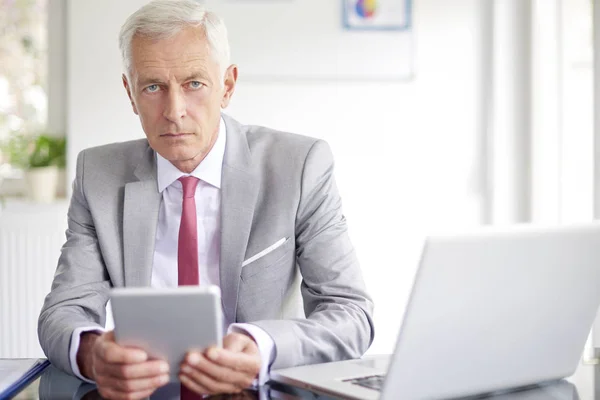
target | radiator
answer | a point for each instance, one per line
(31, 236)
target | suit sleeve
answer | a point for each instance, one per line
(80, 287)
(338, 310)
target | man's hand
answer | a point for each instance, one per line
(119, 372)
(228, 370)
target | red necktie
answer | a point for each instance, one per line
(187, 250)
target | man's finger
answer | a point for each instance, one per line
(111, 352)
(202, 366)
(211, 385)
(193, 386)
(146, 369)
(115, 394)
(246, 363)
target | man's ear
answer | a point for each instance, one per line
(128, 89)
(230, 80)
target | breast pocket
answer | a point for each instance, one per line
(264, 260)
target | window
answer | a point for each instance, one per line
(23, 77)
(23, 65)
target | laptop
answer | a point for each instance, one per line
(488, 311)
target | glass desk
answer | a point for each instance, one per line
(54, 384)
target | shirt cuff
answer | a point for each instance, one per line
(75, 339)
(266, 348)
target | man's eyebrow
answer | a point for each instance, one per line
(149, 80)
(194, 75)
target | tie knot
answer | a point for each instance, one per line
(189, 185)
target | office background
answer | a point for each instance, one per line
(494, 126)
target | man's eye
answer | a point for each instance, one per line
(152, 88)
(195, 85)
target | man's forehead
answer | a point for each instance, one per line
(152, 53)
(192, 63)
(184, 55)
(179, 67)
(186, 37)
(164, 74)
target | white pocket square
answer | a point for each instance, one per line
(264, 252)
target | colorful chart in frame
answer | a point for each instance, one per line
(377, 14)
(366, 8)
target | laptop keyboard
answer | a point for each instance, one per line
(374, 382)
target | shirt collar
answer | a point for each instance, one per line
(209, 170)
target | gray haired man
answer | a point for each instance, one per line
(203, 199)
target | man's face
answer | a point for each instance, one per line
(177, 91)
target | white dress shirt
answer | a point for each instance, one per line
(208, 212)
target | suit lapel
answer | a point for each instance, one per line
(239, 190)
(140, 219)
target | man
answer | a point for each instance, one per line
(203, 200)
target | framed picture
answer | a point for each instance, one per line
(387, 15)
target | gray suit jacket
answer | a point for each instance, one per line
(274, 185)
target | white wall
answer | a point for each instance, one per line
(407, 153)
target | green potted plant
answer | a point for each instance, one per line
(40, 157)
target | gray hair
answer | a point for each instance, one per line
(165, 18)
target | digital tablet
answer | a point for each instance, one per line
(167, 323)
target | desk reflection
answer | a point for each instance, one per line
(559, 390)
(54, 385)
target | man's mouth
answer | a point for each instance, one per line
(174, 135)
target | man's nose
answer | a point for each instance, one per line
(175, 108)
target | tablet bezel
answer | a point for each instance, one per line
(145, 318)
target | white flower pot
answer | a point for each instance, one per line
(42, 184)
